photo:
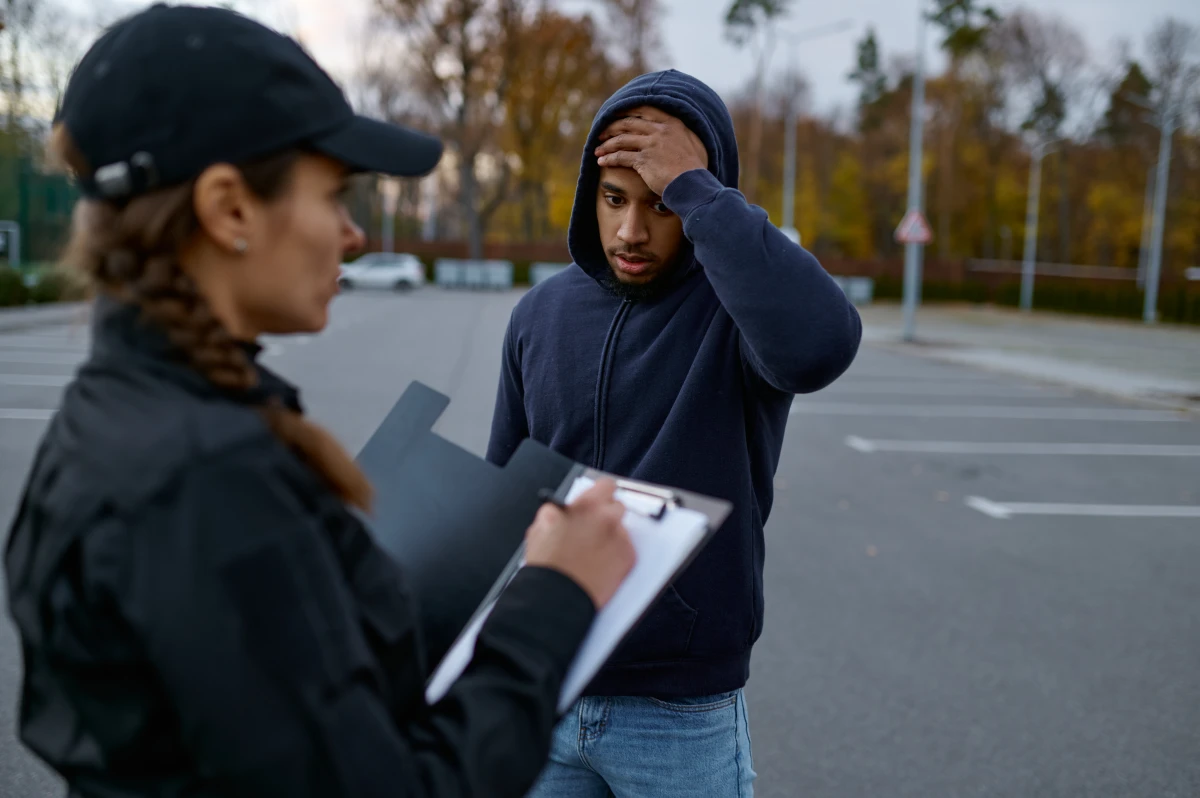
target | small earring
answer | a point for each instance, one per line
(240, 245)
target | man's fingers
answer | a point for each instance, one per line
(629, 125)
(623, 158)
(625, 141)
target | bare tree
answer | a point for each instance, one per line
(20, 17)
(1173, 49)
(462, 52)
(1049, 63)
(59, 40)
(751, 22)
(636, 29)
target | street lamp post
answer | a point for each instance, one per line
(913, 250)
(389, 192)
(1031, 222)
(1166, 118)
(791, 118)
(1167, 122)
(789, 166)
(1147, 222)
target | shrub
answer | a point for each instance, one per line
(12, 287)
(53, 286)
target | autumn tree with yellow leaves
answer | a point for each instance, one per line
(512, 85)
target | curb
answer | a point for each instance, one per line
(948, 352)
(43, 315)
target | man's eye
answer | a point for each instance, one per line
(613, 200)
(661, 208)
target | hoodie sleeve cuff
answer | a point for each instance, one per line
(691, 190)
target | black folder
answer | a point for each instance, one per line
(451, 519)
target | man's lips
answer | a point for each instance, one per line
(633, 265)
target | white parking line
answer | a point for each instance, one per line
(42, 358)
(26, 343)
(871, 446)
(976, 391)
(36, 380)
(801, 407)
(22, 414)
(941, 378)
(1006, 510)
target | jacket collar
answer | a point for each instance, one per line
(120, 336)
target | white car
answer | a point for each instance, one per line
(397, 272)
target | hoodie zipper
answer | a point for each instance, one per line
(607, 357)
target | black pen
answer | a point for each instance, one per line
(550, 497)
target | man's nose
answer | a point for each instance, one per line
(633, 228)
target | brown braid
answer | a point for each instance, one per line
(132, 253)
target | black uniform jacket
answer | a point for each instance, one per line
(201, 616)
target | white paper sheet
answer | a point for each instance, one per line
(662, 546)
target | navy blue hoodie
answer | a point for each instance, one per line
(691, 388)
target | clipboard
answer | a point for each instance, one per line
(647, 505)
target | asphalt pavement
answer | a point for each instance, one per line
(977, 585)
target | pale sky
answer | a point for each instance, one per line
(694, 40)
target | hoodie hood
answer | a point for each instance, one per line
(681, 96)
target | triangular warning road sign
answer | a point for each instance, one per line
(913, 229)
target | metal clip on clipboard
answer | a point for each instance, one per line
(659, 499)
(648, 500)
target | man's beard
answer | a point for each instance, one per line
(653, 288)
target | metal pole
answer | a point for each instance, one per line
(912, 252)
(789, 166)
(1150, 310)
(430, 192)
(389, 195)
(793, 115)
(1031, 226)
(1147, 220)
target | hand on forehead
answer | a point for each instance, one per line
(647, 112)
(633, 121)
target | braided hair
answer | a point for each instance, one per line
(132, 252)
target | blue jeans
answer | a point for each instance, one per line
(647, 748)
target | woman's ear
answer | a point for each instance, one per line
(225, 208)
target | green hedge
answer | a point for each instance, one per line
(39, 284)
(1178, 306)
(13, 290)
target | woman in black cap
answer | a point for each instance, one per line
(201, 612)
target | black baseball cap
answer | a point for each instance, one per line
(167, 92)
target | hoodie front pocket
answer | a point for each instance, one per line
(663, 634)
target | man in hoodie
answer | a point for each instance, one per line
(670, 351)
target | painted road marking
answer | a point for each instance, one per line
(41, 358)
(59, 346)
(23, 414)
(977, 391)
(1006, 510)
(873, 446)
(36, 380)
(984, 411)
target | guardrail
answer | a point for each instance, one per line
(540, 272)
(493, 275)
(859, 290)
(1081, 271)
